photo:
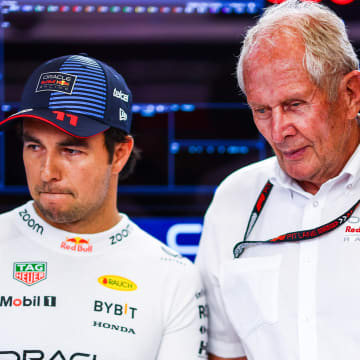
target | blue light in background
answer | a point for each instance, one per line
(148, 6)
(181, 234)
(174, 147)
(210, 149)
(233, 150)
(27, 8)
(39, 8)
(187, 107)
(160, 108)
(174, 107)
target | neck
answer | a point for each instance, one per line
(309, 187)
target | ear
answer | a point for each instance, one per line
(351, 88)
(122, 153)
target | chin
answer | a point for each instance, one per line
(299, 174)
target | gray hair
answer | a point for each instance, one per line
(329, 54)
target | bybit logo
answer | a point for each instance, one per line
(116, 309)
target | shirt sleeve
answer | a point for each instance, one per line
(186, 321)
(223, 340)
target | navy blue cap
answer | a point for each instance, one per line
(79, 95)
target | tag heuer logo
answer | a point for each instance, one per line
(30, 273)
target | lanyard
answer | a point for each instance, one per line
(292, 236)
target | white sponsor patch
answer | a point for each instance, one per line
(56, 81)
(122, 115)
(119, 94)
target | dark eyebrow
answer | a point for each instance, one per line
(71, 141)
(27, 137)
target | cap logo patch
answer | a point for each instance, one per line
(120, 95)
(56, 81)
(122, 114)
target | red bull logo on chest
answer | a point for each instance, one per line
(77, 244)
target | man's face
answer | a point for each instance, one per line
(311, 138)
(70, 179)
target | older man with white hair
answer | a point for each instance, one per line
(280, 248)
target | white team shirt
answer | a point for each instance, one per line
(115, 295)
(283, 301)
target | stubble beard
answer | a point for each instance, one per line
(76, 212)
(73, 215)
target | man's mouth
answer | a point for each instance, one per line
(296, 154)
(54, 194)
(48, 190)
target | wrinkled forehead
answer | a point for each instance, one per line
(267, 46)
(280, 56)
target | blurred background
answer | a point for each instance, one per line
(178, 58)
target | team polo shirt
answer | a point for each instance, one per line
(296, 300)
(115, 295)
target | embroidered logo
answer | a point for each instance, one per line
(30, 273)
(77, 244)
(56, 81)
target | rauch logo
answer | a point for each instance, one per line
(117, 283)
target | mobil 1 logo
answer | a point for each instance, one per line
(27, 301)
(30, 273)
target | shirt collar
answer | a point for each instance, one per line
(352, 167)
(34, 227)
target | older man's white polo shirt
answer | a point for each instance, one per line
(285, 301)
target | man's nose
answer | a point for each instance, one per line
(50, 169)
(281, 125)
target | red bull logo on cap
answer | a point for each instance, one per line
(63, 82)
(56, 81)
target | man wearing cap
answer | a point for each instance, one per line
(280, 248)
(78, 279)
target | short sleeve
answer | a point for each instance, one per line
(223, 340)
(186, 321)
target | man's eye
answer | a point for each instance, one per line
(296, 104)
(32, 146)
(260, 110)
(72, 151)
